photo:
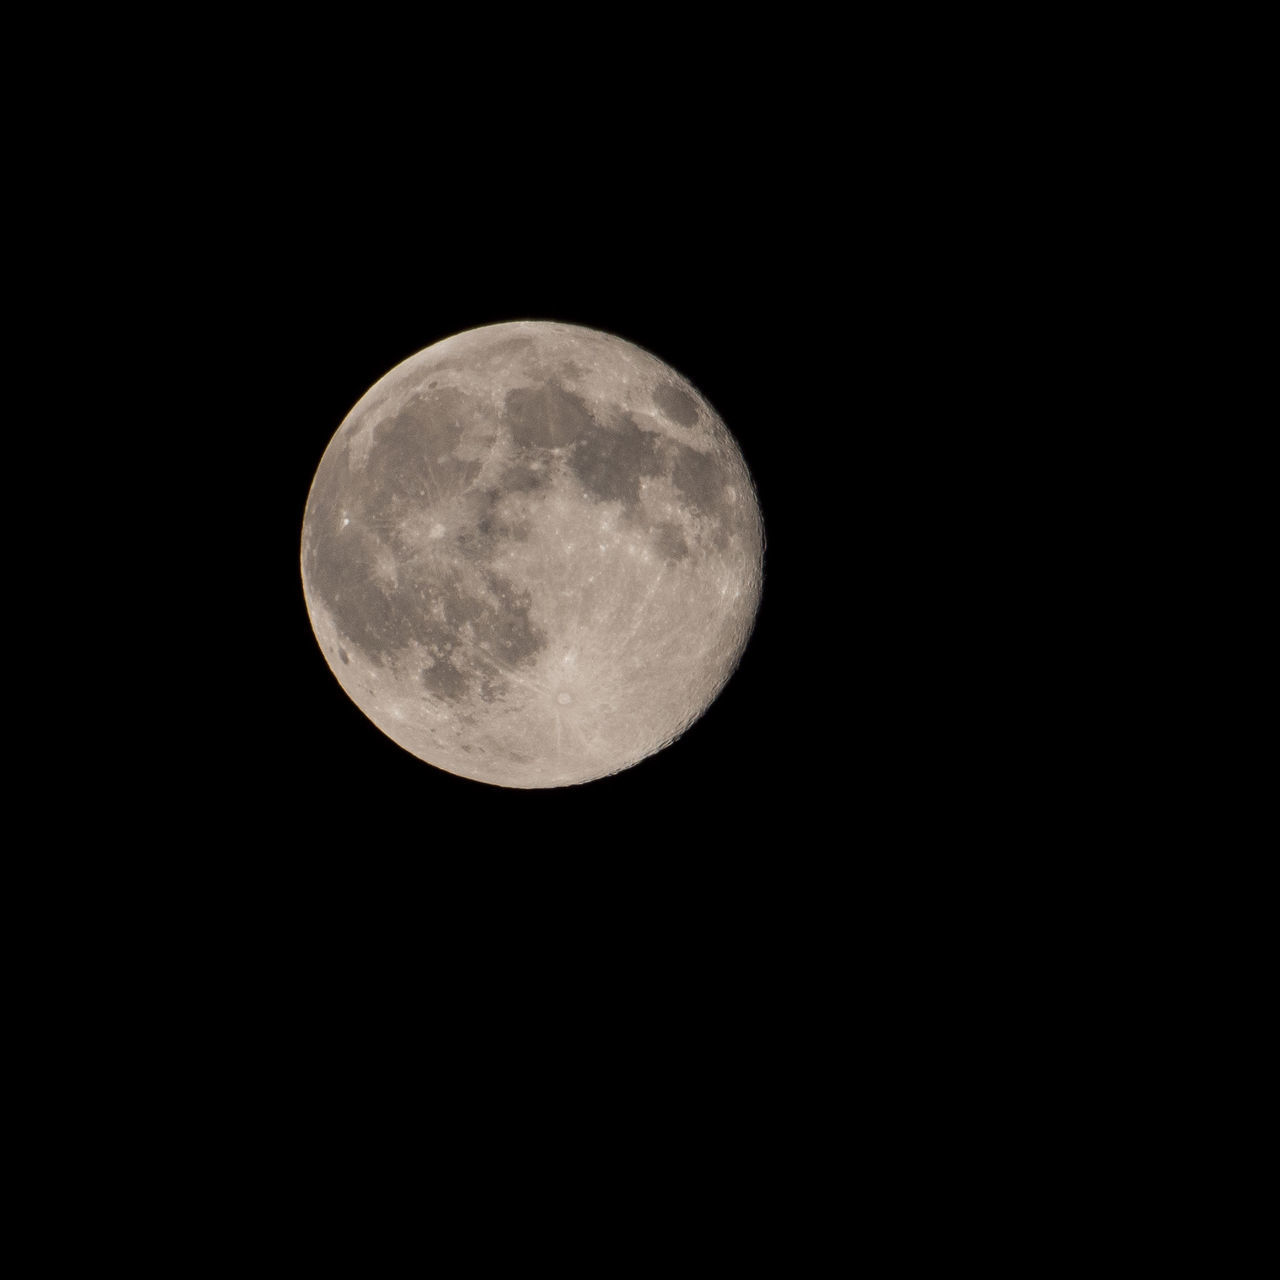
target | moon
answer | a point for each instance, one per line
(532, 554)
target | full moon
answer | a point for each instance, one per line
(532, 554)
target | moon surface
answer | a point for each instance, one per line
(532, 554)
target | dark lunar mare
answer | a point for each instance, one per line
(410, 468)
(676, 403)
(547, 416)
(611, 461)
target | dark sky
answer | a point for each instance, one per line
(819, 277)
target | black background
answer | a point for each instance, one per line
(822, 908)
(818, 860)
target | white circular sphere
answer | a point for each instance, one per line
(532, 554)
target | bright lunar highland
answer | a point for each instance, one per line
(532, 554)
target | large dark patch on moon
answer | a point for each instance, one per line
(611, 461)
(412, 455)
(676, 403)
(356, 554)
(548, 416)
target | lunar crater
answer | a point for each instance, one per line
(676, 403)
